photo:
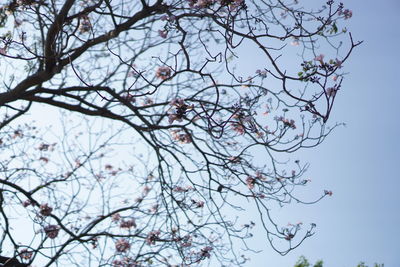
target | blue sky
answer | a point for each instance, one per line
(359, 162)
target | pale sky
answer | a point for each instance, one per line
(359, 162)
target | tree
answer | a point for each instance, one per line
(165, 136)
(303, 262)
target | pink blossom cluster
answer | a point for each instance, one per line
(115, 217)
(250, 182)
(152, 237)
(125, 262)
(46, 147)
(163, 33)
(198, 204)
(163, 72)
(3, 51)
(186, 241)
(260, 195)
(320, 58)
(201, 3)
(122, 245)
(51, 231)
(238, 127)
(168, 18)
(84, 24)
(27, 203)
(328, 192)
(331, 91)
(260, 176)
(289, 236)
(260, 135)
(183, 138)
(45, 210)
(232, 4)
(179, 111)
(205, 252)
(154, 208)
(347, 13)
(181, 189)
(127, 224)
(338, 63)
(295, 41)
(288, 123)
(262, 73)
(234, 159)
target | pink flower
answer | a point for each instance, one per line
(262, 73)
(260, 195)
(173, 117)
(347, 13)
(146, 190)
(338, 63)
(128, 224)
(122, 245)
(180, 189)
(295, 42)
(319, 58)
(3, 51)
(125, 262)
(108, 167)
(45, 210)
(234, 159)
(84, 25)
(115, 217)
(183, 138)
(152, 237)
(200, 204)
(331, 91)
(286, 122)
(154, 208)
(163, 34)
(259, 134)
(237, 127)
(328, 192)
(44, 147)
(205, 252)
(51, 231)
(235, 5)
(180, 110)
(202, 3)
(163, 72)
(250, 181)
(26, 203)
(289, 237)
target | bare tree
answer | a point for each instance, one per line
(166, 134)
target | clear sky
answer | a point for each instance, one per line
(359, 162)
